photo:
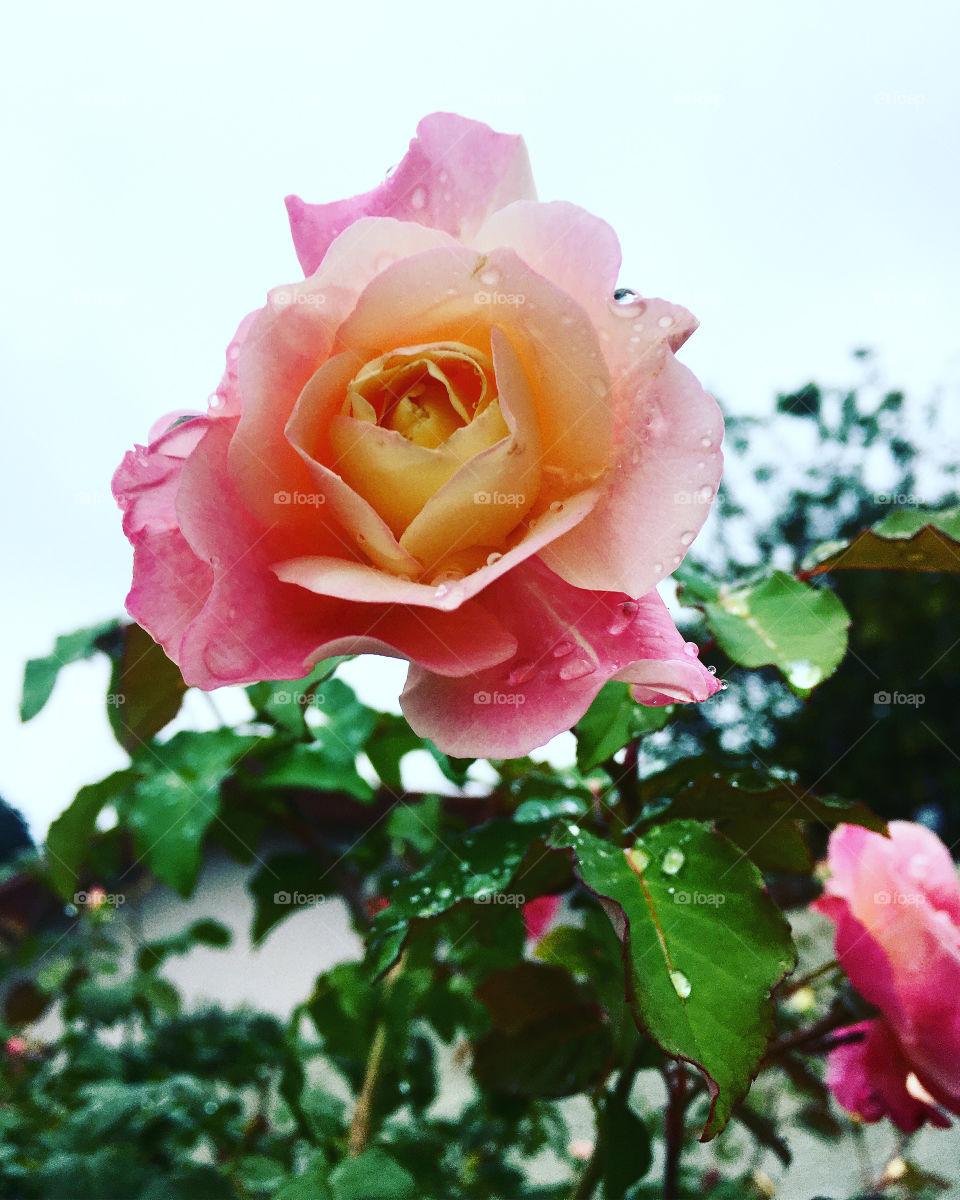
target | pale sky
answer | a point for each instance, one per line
(788, 172)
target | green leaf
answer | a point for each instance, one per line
(146, 688)
(908, 539)
(175, 798)
(311, 766)
(627, 1153)
(390, 741)
(417, 825)
(284, 702)
(69, 837)
(311, 1185)
(613, 719)
(40, 674)
(284, 885)
(804, 403)
(372, 1175)
(799, 629)
(704, 947)
(205, 932)
(476, 866)
(761, 813)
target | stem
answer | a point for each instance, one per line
(673, 1128)
(805, 980)
(587, 1183)
(362, 1124)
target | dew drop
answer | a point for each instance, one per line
(574, 830)
(418, 198)
(493, 557)
(523, 670)
(706, 443)
(626, 303)
(681, 984)
(567, 319)
(577, 668)
(673, 860)
(563, 648)
(215, 561)
(637, 857)
(700, 465)
(665, 322)
(210, 1107)
(624, 617)
(490, 277)
(638, 326)
(677, 560)
(658, 568)
(216, 400)
(712, 669)
(556, 506)
(705, 494)
(687, 537)
(803, 673)
(690, 649)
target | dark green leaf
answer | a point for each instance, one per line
(40, 674)
(627, 1153)
(705, 945)
(311, 766)
(69, 836)
(909, 539)
(372, 1175)
(613, 719)
(146, 689)
(284, 702)
(286, 884)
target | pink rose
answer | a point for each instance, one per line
(896, 906)
(539, 914)
(450, 443)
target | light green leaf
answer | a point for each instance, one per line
(613, 719)
(40, 674)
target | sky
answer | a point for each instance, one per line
(786, 172)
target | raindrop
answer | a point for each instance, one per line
(626, 303)
(443, 177)
(658, 567)
(677, 560)
(705, 494)
(556, 506)
(625, 614)
(706, 443)
(672, 861)
(567, 319)
(681, 984)
(574, 830)
(803, 673)
(523, 670)
(490, 277)
(638, 858)
(690, 649)
(687, 537)
(577, 668)
(665, 322)
(493, 557)
(638, 326)
(563, 648)
(712, 669)
(418, 198)
(216, 400)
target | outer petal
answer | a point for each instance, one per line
(869, 1078)
(570, 642)
(454, 175)
(255, 627)
(538, 915)
(667, 465)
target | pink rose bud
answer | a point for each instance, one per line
(896, 906)
(16, 1046)
(455, 442)
(538, 915)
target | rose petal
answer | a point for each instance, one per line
(538, 915)
(869, 1078)
(455, 173)
(570, 642)
(667, 465)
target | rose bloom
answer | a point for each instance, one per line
(454, 443)
(896, 906)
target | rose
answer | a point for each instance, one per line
(896, 906)
(384, 384)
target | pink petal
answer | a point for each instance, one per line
(869, 1078)
(253, 626)
(454, 175)
(667, 466)
(538, 915)
(570, 642)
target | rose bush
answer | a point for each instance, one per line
(896, 906)
(454, 442)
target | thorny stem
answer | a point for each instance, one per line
(361, 1126)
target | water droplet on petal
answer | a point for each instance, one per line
(917, 866)
(597, 385)
(493, 557)
(418, 198)
(624, 617)
(563, 648)
(490, 277)
(681, 984)
(216, 400)
(638, 326)
(665, 322)
(673, 860)
(626, 303)
(690, 649)
(687, 537)
(556, 506)
(677, 560)
(706, 443)
(577, 668)
(712, 669)
(215, 561)
(523, 670)
(658, 567)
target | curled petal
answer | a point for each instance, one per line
(454, 175)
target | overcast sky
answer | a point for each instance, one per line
(786, 171)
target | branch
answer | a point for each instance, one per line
(673, 1127)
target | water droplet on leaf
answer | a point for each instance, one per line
(672, 861)
(681, 984)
